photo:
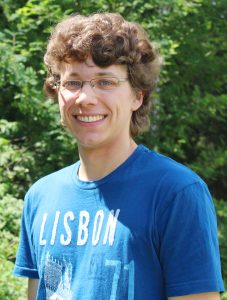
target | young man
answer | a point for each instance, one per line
(124, 222)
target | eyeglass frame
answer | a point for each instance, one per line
(121, 79)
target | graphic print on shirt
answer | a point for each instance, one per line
(78, 229)
(99, 229)
(120, 276)
(57, 279)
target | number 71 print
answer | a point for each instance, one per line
(131, 270)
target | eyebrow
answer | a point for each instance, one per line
(74, 74)
(105, 74)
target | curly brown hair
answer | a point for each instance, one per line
(109, 39)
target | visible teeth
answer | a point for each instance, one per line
(90, 119)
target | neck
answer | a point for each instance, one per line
(97, 163)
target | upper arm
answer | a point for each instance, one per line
(32, 288)
(189, 251)
(202, 296)
(26, 264)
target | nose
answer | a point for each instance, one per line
(86, 96)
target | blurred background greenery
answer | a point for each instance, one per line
(189, 108)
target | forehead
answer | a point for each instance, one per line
(89, 69)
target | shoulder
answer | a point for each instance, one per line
(167, 182)
(61, 176)
(175, 186)
(165, 172)
(52, 182)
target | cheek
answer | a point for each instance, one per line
(60, 103)
(61, 106)
(66, 98)
(64, 102)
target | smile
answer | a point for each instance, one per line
(90, 119)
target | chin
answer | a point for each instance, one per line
(89, 144)
(96, 144)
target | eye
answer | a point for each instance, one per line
(105, 83)
(72, 84)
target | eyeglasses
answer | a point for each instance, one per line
(100, 84)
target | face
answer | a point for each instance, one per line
(97, 117)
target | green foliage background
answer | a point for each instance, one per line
(189, 110)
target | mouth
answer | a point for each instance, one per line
(90, 119)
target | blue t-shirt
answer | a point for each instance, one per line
(145, 232)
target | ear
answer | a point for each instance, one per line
(138, 101)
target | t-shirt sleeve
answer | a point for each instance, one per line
(189, 250)
(25, 264)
